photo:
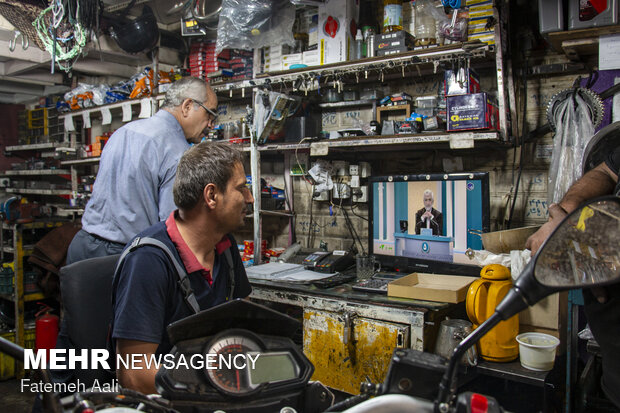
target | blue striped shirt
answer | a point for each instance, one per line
(133, 189)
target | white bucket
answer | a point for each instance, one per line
(537, 350)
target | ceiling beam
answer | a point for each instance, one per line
(96, 67)
(16, 67)
(31, 54)
(43, 79)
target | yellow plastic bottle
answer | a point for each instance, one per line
(484, 295)
(392, 16)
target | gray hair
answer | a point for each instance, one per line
(203, 164)
(429, 192)
(187, 87)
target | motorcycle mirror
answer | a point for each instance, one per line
(583, 250)
(580, 253)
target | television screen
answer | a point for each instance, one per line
(430, 222)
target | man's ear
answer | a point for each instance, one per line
(186, 107)
(210, 195)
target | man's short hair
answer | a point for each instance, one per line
(429, 192)
(203, 164)
(187, 87)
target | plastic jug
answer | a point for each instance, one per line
(484, 295)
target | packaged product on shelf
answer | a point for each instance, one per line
(473, 111)
(336, 41)
(397, 42)
(461, 81)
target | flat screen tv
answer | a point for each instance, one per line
(428, 222)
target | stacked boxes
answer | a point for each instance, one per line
(202, 59)
(273, 57)
(291, 59)
(239, 61)
(480, 13)
(205, 64)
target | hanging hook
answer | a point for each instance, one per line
(13, 42)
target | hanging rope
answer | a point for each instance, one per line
(55, 45)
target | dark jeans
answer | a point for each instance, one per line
(85, 245)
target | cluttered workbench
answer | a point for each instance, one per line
(349, 335)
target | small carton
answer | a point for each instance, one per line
(431, 287)
(473, 111)
(337, 28)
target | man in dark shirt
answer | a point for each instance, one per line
(429, 217)
(211, 194)
(602, 305)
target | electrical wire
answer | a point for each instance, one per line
(353, 206)
(523, 132)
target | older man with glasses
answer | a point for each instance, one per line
(133, 189)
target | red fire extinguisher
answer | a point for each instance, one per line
(46, 330)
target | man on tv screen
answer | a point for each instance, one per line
(429, 217)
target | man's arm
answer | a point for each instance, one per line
(143, 378)
(596, 182)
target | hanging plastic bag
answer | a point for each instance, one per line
(573, 131)
(251, 24)
(453, 26)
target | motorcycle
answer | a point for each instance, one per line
(581, 253)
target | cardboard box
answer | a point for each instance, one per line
(549, 313)
(396, 40)
(431, 287)
(337, 30)
(473, 111)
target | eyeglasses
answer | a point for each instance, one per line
(209, 111)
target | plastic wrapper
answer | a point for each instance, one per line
(573, 131)
(586, 334)
(143, 82)
(81, 97)
(251, 24)
(452, 26)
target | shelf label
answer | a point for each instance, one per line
(609, 52)
(126, 111)
(69, 126)
(106, 116)
(145, 108)
(86, 119)
(319, 149)
(462, 141)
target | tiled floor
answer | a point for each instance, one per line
(12, 400)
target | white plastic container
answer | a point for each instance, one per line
(537, 350)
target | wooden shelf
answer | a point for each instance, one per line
(36, 146)
(394, 63)
(108, 106)
(83, 161)
(33, 191)
(27, 249)
(456, 140)
(346, 104)
(581, 42)
(37, 172)
(27, 297)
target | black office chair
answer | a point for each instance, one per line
(86, 288)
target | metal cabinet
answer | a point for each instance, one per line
(350, 336)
